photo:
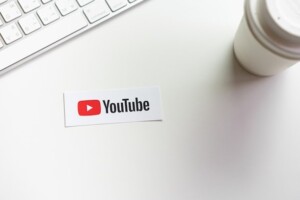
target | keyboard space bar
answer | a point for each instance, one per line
(42, 39)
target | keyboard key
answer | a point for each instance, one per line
(48, 14)
(39, 38)
(10, 11)
(96, 11)
(46, 1)
(45, 37)
(66, 6)
(29, 5)
(2, 1)
(84, 2)
(10, 33)
(29, 24)
(116, 4)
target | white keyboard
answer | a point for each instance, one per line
(31, 27)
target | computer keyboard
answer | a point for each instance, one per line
(31, 27)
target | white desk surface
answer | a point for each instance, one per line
(226, 134)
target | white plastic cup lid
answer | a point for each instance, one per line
(276, 24)
(286, 14)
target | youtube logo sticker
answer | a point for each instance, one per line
(89, 108)
(112, 106)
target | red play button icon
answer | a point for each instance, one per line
(89, 107)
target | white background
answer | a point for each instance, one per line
(226, 135)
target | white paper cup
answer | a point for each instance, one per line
(268, 39)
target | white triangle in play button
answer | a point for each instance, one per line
(88, 108)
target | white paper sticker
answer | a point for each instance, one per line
(113, 106)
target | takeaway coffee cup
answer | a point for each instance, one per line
(268, 39)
